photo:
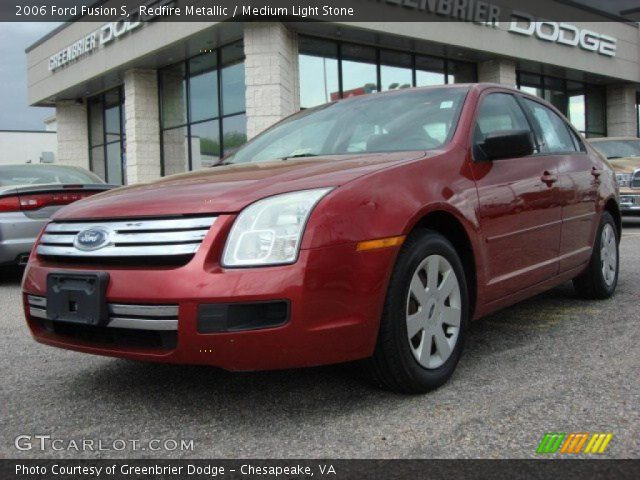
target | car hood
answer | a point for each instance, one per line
(228, 189)
(625, 165)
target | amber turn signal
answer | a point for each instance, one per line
(380, 243)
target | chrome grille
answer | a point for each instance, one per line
(635, 180)
(132, 238)
(138, 317)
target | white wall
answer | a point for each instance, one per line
(22, 147)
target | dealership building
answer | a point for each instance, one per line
(135, 102)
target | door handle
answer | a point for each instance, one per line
(596, 172)
(549, 178)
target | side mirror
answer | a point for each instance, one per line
(506, 144)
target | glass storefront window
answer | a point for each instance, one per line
(461, 72)
(577, 112)
(330, 70)
(234, 132)
(205, 144)
(582, 103)
(96, 120)
(233, 88)
(359, 70)
(638, 113)
(595, 111)
(555, 92)
(114, 161)
(203, 99)
(531, 84)
(203, 102)
(107, 149)
(395, 70)
(318, 64)
(233, 84)
(98, 165)
(430, 71)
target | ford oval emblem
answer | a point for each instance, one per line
(92, 239)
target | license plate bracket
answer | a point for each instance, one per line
(78, 297)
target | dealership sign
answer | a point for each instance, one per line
(489, 14)
(476, 11)
(105, 35)
(101, 37)
(563, 33)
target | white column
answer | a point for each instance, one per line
(502, 71)
(271, 74)
(142, 115)
(73, 133)
(622, 120)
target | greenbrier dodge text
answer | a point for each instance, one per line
(177, 470)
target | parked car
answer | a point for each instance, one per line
(623, 154)
(371, 228)
(29, 195)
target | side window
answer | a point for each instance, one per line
(556, 136)
(498, 112)
(577, 140)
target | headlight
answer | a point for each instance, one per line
(624, 179)
(269, 231)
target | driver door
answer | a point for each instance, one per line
(519, 213)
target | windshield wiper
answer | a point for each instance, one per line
(299, 155)
(221, 164)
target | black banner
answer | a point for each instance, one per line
(323, 469)
(479, 11)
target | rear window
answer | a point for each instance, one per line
(14, 175)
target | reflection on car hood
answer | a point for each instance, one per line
(228, 189)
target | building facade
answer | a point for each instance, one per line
(167, 98)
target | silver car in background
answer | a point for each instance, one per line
(29, 195)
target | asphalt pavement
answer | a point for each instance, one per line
(554, 363)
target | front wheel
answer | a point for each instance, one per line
(600, 279)
(425, 316)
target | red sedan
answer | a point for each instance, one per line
(371, 228)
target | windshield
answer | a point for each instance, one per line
(613, 149)
(414, 120)
(13, 175)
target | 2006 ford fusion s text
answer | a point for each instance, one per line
(373, 228)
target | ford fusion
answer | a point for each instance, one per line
(373, 228)
(29, 195)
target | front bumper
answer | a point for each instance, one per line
(335, 297)
(629, 202)
(17, 235)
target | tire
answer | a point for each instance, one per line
(600, 279)
(403, 364)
